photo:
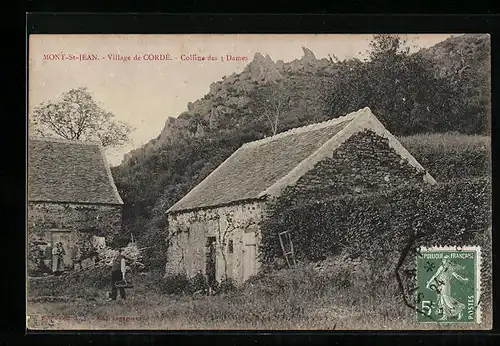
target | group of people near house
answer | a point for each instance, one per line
(51, 258)
(54, 260)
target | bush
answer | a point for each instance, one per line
(450, 156)
(300, 280)
(310, 281)
(199, 283)
(444, 214)
(85, 284)
(227, 285)
(180, 284)
(155, 249)
(176, 284)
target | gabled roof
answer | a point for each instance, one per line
(264, 167)
(69, 171)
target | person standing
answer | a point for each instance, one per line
(118, 268)
(57, 258)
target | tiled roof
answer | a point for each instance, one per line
(69, 171)
(256, 166)
(263, 168)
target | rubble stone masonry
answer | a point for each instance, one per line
(104, 219)
(190, 230)
(364, 163)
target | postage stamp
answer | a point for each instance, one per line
(449, 285)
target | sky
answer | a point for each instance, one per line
(145, 92)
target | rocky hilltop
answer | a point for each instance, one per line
(230, 96)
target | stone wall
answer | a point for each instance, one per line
(104, 220)
(364, 163)
(84, 222)
(190, 230)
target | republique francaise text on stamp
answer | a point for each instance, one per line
(448, 281)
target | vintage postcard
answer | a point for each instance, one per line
(259, 182)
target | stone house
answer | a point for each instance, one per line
(72, 198)
(214, 229)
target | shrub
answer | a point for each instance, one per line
(176, 284)
(199, 283)
(226, 285)
(181, 284)
(302, 280)
(86, 283)
(450, 156)
(445, 214)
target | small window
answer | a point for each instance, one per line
(230, 247)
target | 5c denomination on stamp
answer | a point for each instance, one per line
(448, 281)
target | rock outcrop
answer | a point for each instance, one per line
(229, 97)
(263, 69)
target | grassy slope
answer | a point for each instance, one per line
(298, 299)
(451, 156)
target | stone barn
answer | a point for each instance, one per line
(72, 198)
(214, 229)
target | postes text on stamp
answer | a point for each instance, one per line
(449, 285)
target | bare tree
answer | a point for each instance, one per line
(77, 116)
(272, 101)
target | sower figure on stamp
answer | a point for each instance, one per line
(118, 269)
(443, 277)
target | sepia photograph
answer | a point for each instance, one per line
(259, 182)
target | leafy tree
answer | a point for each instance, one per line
(383, 46)
(77, 116)
(401, 88)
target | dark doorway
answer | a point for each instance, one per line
(211, 261)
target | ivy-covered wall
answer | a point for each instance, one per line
(234, 224)
(386, 226)
(377, 225)
(364, 163)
